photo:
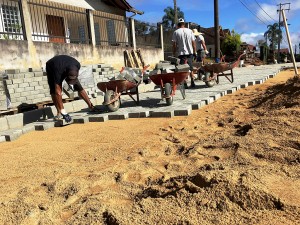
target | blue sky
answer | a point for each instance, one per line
(233, 15)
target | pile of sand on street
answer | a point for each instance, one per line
(235, 161)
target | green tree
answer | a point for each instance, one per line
(169, 17)
(231, 43)
(141, 28)
(274, 35)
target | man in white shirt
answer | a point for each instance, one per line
(184, 44)
(200, 46)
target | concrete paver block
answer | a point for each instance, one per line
(98, 118)
(28, 128)
(2, 139)
(11, 135)
(244, 85)
(69, 107)
(44, 125)
(62, 123)
(79, 105)
(139, 114)
(123, 116)
(183, 112)
(251, 83)
(3, 124)
(15, 121)
(167, 114)
(83, 119)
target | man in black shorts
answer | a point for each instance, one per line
(60, 68)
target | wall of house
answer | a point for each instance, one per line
(20, 55)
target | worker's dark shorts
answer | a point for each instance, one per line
(187, 59)
(201, 55)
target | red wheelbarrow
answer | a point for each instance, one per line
(115, 88)
(168, 83)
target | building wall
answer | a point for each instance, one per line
(20, 55)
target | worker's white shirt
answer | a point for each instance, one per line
(199, 41)
(183, 38)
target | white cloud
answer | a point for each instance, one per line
(252, 38)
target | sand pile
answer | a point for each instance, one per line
(236, 161)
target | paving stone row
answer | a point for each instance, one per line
(151, 104)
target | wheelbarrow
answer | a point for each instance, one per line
(168, 83)
(113, 90)
(213, 71)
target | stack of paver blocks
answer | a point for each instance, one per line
(3, 102)
(169, 67)
(103, 73)
(26, 87)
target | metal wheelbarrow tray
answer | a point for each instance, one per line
(114, 89)
(168, 83)
(213, 71)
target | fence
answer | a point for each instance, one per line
(147, 35)
(111, 29)
(61, 23)
(55, 22)
(11, 20)
(168, 45)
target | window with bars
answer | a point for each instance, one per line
(11, 19)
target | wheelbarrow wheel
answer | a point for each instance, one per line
(209, 83)
(114, 106)
(168, 91)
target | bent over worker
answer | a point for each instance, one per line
(60, 68)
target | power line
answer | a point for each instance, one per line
(264, 10)
(252, 12)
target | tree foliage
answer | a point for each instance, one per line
(274, 35)
(144, 28)
(169, 17)
(231, 43)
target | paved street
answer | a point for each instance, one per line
(151, 104)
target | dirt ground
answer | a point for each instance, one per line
(235, 161)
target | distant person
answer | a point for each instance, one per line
(60, 68)
(184, 44)
(200, 46)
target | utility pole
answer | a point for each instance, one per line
(278, 50)
(217, 29)
(279, 25)
(289, 41)
(175, 12)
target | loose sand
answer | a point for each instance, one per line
(235, 161)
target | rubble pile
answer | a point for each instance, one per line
(253, 61)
